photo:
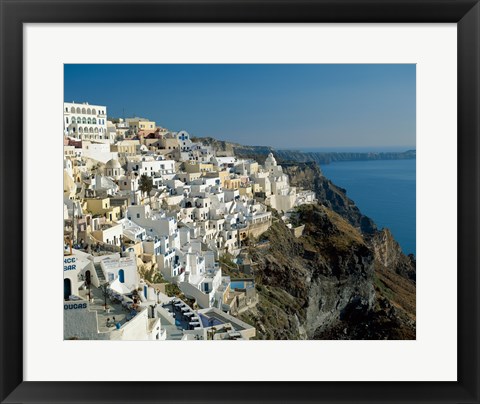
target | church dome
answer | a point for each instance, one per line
(271, 160)
(113, 164)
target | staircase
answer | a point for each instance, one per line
(100, 275)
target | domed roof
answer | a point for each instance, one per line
(270, 159)
(113, 164)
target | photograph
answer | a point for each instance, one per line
(239, 202)
(261, 176)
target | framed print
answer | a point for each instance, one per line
(196, 207)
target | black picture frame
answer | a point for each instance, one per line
(14, 13)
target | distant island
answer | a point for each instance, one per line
(261, 152)
(328, 157)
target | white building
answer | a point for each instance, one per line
(108, 233)
(117, 310)
(151, 166)
(184, 140)
(85, 121)
(77, 269)
(98, 151)
(113, 169)
(121, 272)
(271, 166)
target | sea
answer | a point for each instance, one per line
(384, 190)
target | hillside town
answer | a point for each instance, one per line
(155, 230)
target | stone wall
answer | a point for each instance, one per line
(298, 231)
(257, 229)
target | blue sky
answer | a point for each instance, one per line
(301, 106)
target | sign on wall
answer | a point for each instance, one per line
(69, 264)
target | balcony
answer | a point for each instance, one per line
(169, 252)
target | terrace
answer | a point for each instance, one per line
(120, 307)
(184, 316)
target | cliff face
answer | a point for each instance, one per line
(390, 257)
(327, 284)
(314, 280)
(342, 269)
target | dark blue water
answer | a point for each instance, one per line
(383, 190)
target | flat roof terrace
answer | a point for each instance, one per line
(213, 318)
(182, 314)
(121, 310)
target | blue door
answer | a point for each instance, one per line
(121, 276)
(67, 288)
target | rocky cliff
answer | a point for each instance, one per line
(389, 255)
(327, 284)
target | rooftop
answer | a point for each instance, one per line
(122, 310)
(185, 317)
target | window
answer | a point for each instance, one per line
(89, 121)
(73, 119)
(94, 121)
(138, 215)
(66, 120)
(84, 120)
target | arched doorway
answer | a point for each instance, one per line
(67, 288)
(88, 278)
(121, 276)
